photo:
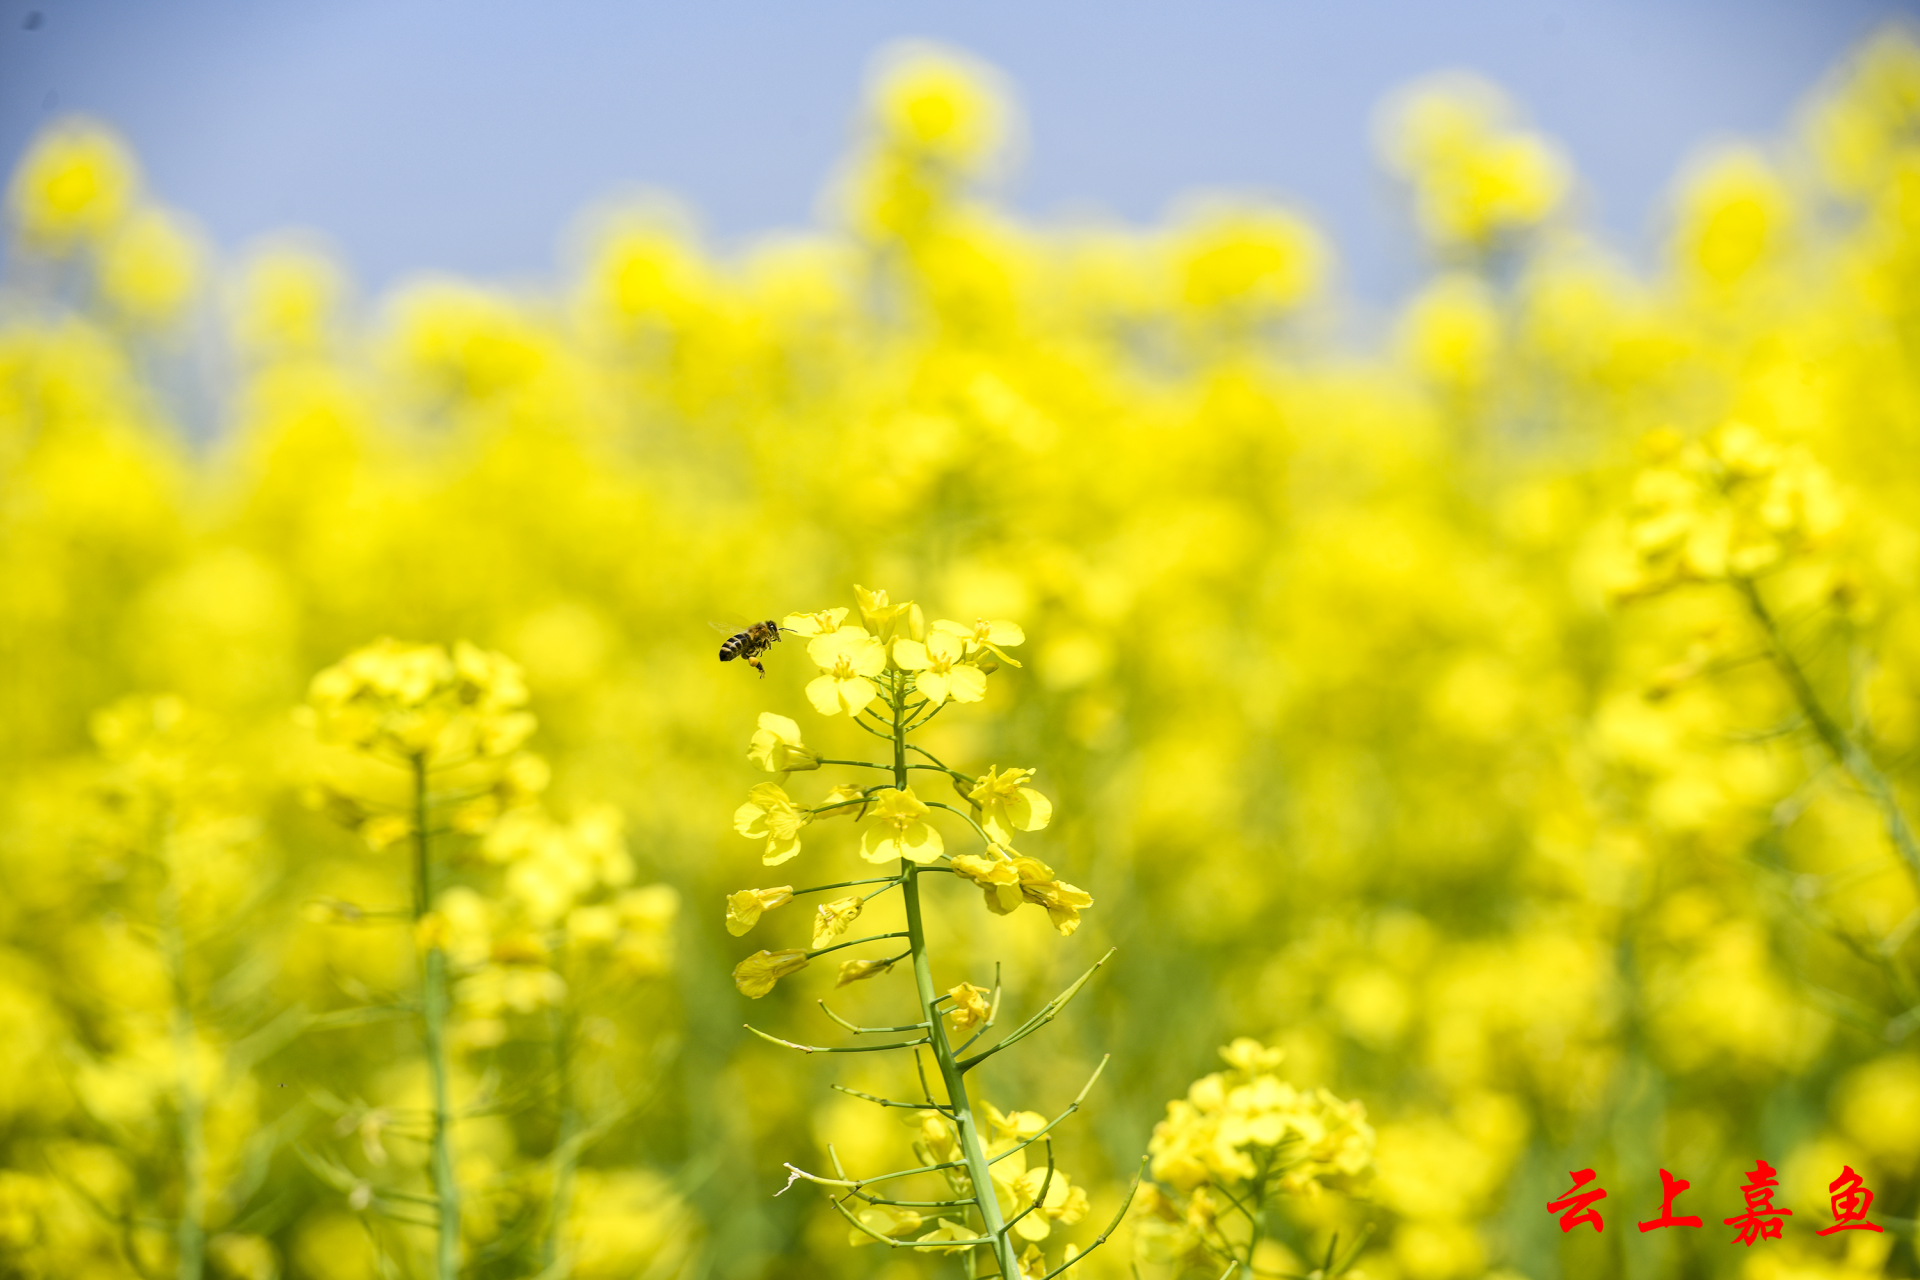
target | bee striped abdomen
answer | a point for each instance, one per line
(749, 644)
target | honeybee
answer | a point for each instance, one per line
(750, 642)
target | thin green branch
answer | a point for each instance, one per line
(839, 1048)
(889, 1102)
(1046, 1184)
(867, 1031)
(936, 804)
(1848, 753)
(1111, 1226)
(1047, 1014)
(993, 1011)
(433, 1014)
(1072, 1107)
(190, 1227)
(953, 1078)
(845, 884)
(890, 1242)
(838, 946)
(795, 1173)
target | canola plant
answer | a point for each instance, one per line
(1499, 732)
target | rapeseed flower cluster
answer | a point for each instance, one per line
(1513, 720)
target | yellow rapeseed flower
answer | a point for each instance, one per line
(73, 186)
(885, 1220)
(996, 875)
(150, 267)
(831, 919)
(970, 1007)
(745, 908)
(889, 622)
(756, 975)
(949, 1230)
(933, 102)
(861, 970)
(994, 635)
(777, 747)
(771, 815)
(809, 625)
(900, 829)
(1008, 805)
(422, 701)
(850, 658)
(940, 668)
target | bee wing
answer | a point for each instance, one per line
(728, 628)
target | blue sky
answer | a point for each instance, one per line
(463, 135)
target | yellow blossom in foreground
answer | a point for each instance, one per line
(997, 877)
(849, 657)
(941, 673)
(825, 622)
(771, 815)
(1008, 805)
(900, 830)
(777, 747)
(745, 908)
(861, 970)
(890, 622)
(970, 1007)
(1009, 879)
(985, 634)
(756, 975)
(831, 919)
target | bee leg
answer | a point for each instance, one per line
(757, 667)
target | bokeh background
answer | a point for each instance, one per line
(1373, 417)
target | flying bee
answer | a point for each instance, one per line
(749, 642)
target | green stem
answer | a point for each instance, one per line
(433, 1019)
(972, 1148)
(1846, 752)
(190, 1230)
(566, 1142)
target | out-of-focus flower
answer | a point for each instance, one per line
(422, 702)
(940, 105)
(73, 186)
(150, 267)
(1475, 173)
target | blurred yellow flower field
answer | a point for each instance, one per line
(1486, 741)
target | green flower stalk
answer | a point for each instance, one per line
(892, 675)
(1733, 509)
(431, 713)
